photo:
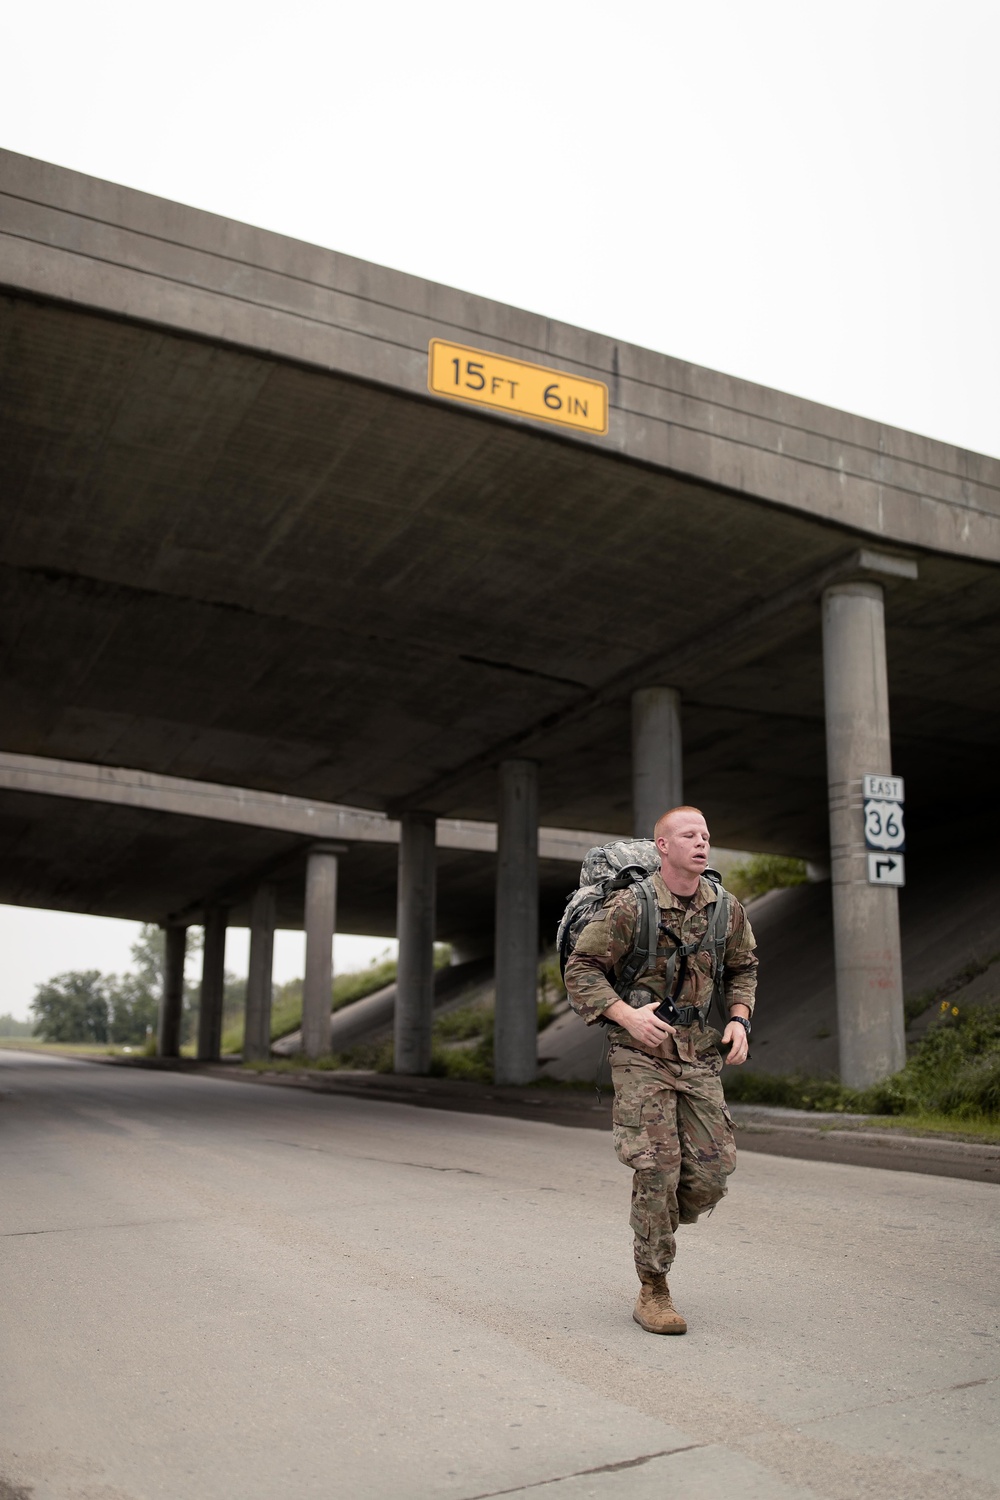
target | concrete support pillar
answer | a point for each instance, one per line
(516, 1025)
(657, 764)
(257, 1030)
(415, 911)
(172, 1000)
(213, 985)
(865, 917)
(320, 924)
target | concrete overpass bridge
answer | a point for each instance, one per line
(277, 519)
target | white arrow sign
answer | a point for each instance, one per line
(886, 869)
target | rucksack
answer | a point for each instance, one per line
(608, 868)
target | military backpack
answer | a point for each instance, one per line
(631, 863)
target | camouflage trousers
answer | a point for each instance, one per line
(671, 1126)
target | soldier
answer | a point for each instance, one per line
(671, 1125)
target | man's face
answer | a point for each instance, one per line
(685, 843)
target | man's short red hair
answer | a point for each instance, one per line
(663, 822)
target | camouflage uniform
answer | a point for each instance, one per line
(671, 1124)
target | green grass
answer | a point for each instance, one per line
(331, 1062)
(286, 1009)
(462, 1024)
(449, 1058)
(473, 1063)
(915, 1005)
(70, 1049)
(923, 1122)
(550, 981)
(953, 1073)
(765, 872)
(791, 1091)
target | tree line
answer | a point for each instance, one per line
(84, 1005)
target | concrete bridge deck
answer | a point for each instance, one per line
(212, 1290)
(283, 564)
(243, 542)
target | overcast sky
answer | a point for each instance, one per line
(801, 194)
(39, 944)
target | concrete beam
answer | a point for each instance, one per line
(123, 787)
(94, 244)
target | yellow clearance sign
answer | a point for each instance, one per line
(513, 385)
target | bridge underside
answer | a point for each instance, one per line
(79, 856)
(223, 566)
(241, 544)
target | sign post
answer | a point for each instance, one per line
(885, 832)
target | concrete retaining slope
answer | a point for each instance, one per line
(949, 922)
(950, 919)
(362, 1020)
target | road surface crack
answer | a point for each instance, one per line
(625, 1463)
(387, 1161)
(15, 1234)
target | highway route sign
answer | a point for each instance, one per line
(514, 385)
(883, 810)
(884, 827)
(888, 788)
(886, 869)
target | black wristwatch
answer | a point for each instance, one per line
(742, 1021)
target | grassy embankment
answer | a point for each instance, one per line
(462, 1039)
(951, 1081)
(66, 1049)
(950, 1084)
(286, 1011)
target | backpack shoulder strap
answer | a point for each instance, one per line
(642, 957)
(715, 940)
(718, 927)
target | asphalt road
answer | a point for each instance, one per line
(216, 1291)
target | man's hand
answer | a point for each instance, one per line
(642, 1023)
(738, 1052)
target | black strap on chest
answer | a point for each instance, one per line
(645, 951)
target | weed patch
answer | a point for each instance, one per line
(286, 1008)
(461, 1047)
(953, 1073)
(915, 1005)
(765, 872)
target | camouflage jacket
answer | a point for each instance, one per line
(606, 942)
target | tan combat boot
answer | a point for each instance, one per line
(655, 1310)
